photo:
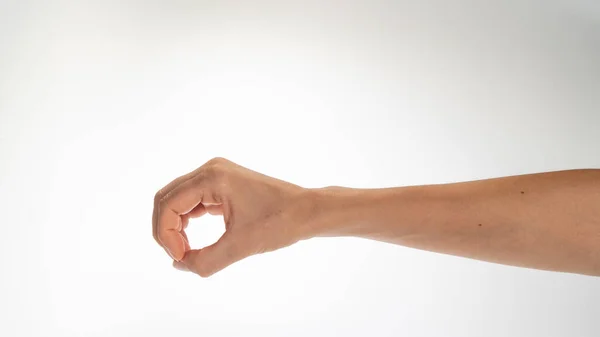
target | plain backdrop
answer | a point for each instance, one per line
(104, 102)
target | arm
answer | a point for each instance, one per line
(547, 221)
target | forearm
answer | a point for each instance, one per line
(546, 221)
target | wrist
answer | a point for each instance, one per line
(338, 211)
(388, 214)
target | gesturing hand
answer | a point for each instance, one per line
(261, 214)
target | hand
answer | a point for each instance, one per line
(261, 214)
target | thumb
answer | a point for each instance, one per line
(213, 258)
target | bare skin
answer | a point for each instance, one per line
(548, 221)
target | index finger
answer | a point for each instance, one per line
(179, 201)
(160, 195)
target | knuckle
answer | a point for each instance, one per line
(161, 202)
(217, 161)
(208, 172)
(215, 170)
(158, 197)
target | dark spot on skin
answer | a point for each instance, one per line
(522, 192)
(479, 225)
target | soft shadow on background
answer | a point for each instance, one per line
(102, 103)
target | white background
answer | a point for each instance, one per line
(102, 103)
